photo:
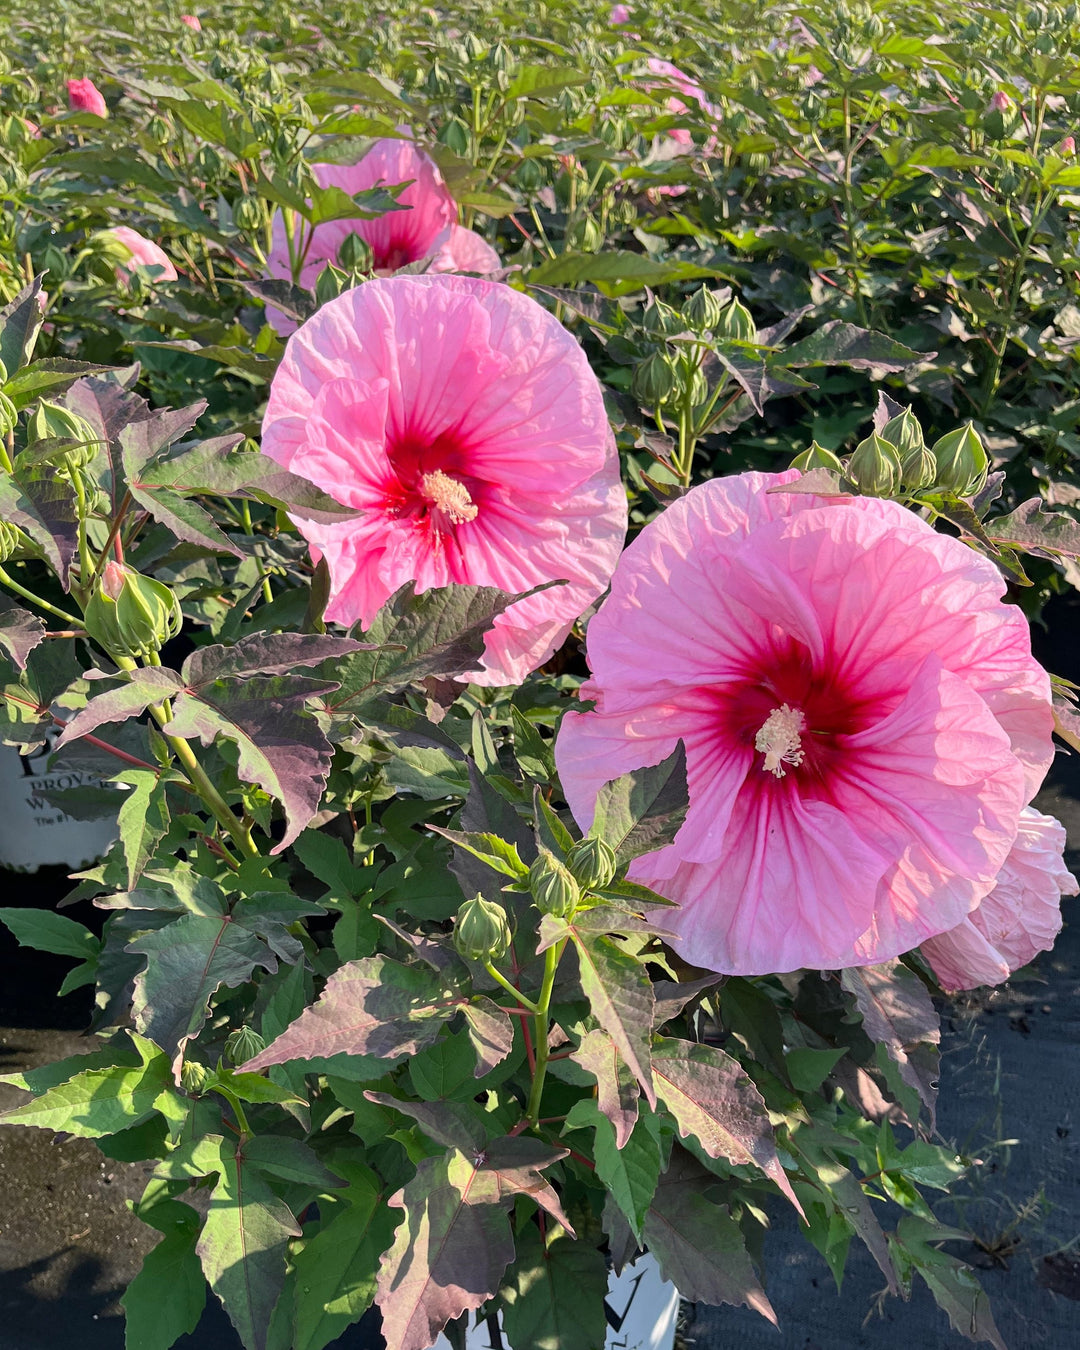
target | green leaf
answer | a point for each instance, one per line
(96, 1103)
(45, 931)
(489, 848)
(643, 810)
(20, 323)
(621, 999)
(630, 1171)
(1047, 534)
(618, 271)
(143, 820)
(554, 1295)
(808, 1069)
(953, 1284)
(535, 755)
(166, 1298)
(843, 344)
(335, 1270)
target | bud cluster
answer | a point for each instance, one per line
(130, 615)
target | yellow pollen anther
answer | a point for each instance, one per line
(449, 496)
(778, 739)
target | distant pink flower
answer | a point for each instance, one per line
(619, 14)
(465, 423)
(32, 128)
(1019, 918)
(863, 722)
(671, 76)
(192, 21)
(144, 252)
(428, 229)
(1066, 149)
(1000, 102)
(85, 96)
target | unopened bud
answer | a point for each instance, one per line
(592, 863)
(243, 1044)
(330, 283)
(660, 320)
(874, 468)
(653, 381)
(1067, 148)
(355, 254)
(702, 312)
(481, 930)
(961, 461)
(248, 214)
(50, 421)
(9, 415)
(1000, 102)
(903, 432)
(554, 890)
(736, 322)
(193, 1077)
(131, 615)
(529, 175)
(816, 457)
(11, 539)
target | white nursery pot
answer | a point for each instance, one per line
(33, 832)
(643, 1306)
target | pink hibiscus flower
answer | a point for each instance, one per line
(85, 96)
(192, 21)
(428, 229)
(619, 14)
(678, 140)
(144, 252)
(465, 423)
(863, 722)
(1018, 919)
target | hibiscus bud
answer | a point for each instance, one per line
(481, 930)
(248, 214)
(592, 862)
(1000, 102)
(736, 322)
(85, 96)
(192, 22)
(703, 311)
(874, 468)
(11, 539)
(917, 466)
(1067, 148)
(961, 461)
(193, 1077)
(159, 130)
(816, 457)
(653, 381)
(131, 615)
(243, 1044)
(355, 254)
(529, 175)
(455, 135)
(554, 890)
(51, 421)
(9, 414)
(330, 283)
(660, 320)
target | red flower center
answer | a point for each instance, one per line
(433, 485)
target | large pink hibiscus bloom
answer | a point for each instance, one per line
(144, 252)
(863, 722)
(465, 423)
(1019, 918)
(428, 229)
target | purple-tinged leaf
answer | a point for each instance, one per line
(145, 439)
(1066, 720)
(954, 1285)
(452, 1124)
(374, 1006)
(775, 333)
(297, 303)
(187, 961)
(554, 1293)
(713, 1098)
(20, 631)
(698, 1245)
(263, 654)
(109, 406)
(843, 344)
(43, 506)
(244, 1243)
(282, 747)
(515, 1162)
(898, 1013)
(623, 1246)
(621, 999)
(146, 686)
(672, 998)
(616, 1088)
(886, 410)
(643, 810)
(26, 702)
(270, 915)
(490, 1031)
(1046, 534)
(20, 323)
(818, 482)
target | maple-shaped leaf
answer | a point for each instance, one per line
(27, 696)
(44, 506)
(108, 405)
(187, 961)
(263, 654)
(616, 1087)
(642, 811)
(954, 1284)
(490, 1031)
(20, 631)
(20, 322)
(134, 696)
(713, 1098)
(698, 1245)
(672, 998)
(1030, 528)
(374, 1006)
(553, 1295)
(454, 1243)
(897, 1011)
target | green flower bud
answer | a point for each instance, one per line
(586, 235)
(243, 1044)
(355, 254)
(904, 432)
(481, 930)
(9, 414)
(50, 420)
(653, 381)
(702, 312)
(817, 457)
(699, 387)
(660, 320)
(193, 1077)
(554, 890)
(529, 175)
(961, 461)
(592, 862)
(248, 214)
(330, 283)
(11, 539)
(160, 130)
(131, 615)
(736, 322)
(874, 468)
(208, 163)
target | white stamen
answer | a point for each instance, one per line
(778, 739)
(450, 496)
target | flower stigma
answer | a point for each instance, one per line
(449, 496)
(778, 739)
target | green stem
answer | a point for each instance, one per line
(499, 978)
(551, 965)
(993, 374)
(13, 585)
(238, 1111)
